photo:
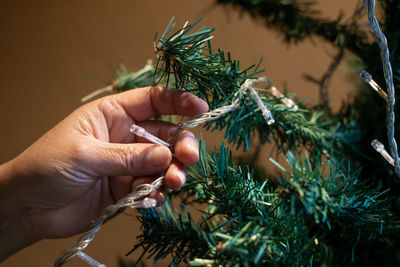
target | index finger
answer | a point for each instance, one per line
(144, 103)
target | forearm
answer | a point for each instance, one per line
(14, 228)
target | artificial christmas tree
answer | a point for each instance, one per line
(328, 207)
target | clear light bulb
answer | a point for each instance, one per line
(140, 131)
(149, 202)
(367, 78)
(380, 148)
(89, 260)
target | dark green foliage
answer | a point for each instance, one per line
(214, 77)
(319, 212)
(368, 109)
(165, 233)
(292, 128)
(311, 214)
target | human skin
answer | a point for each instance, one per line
(62, 182)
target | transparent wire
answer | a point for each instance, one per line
(133, 200)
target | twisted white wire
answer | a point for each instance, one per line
(203, 118)
(249, 85)
(131, 200)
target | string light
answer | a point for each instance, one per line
(380, 148)
(89, 260)
(276, 93)
(367, 78)
(388, 74)
(140, 131)
(249, 85)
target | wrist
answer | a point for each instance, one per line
(15, 232)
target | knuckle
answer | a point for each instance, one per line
(129, 159)
(109, 104)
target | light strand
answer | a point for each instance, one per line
(133, 199)
(203, 118)
(387, 71)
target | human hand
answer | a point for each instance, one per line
(90, 160)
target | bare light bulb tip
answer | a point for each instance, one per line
(149, 202)
(365, 76)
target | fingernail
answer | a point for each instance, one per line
(189, 137)
(186, 99)
(203, 105)
(182, 177)
(159, 156)
(191, 101)
(193, 146)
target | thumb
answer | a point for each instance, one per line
(111, 159)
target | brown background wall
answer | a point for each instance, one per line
(47, 48)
